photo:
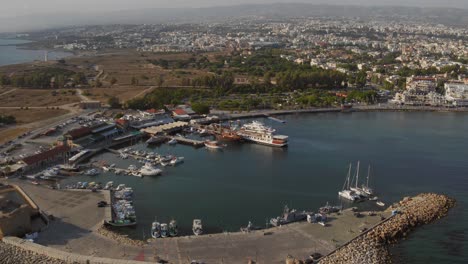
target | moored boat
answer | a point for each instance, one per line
(164, 230)
(155, 230)
(259, 133)
(149, 170)
(156, 140)
(173, 228)
(197, 227)
(211, 144)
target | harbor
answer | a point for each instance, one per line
(227, 199)
(301, 240)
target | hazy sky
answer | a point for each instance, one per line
(11, 8)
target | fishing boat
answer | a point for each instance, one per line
(211, 144)
(328, 209)
(164, 230)
(173, 229)
(155, 230)
(346, 192)
(91, 172)
(149, 170)
(176, 160)
(197, 227)
(250, 227)
(259, 133)
(379, 203)
(155, 140)
(289, 216)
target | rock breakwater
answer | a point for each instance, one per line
(371, 247)
(10, 254)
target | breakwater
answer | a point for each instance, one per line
(371, 247)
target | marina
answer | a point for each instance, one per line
(289, 172)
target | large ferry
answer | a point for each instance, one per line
(259, 133)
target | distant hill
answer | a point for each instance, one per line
(449, 16)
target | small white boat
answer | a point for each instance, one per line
(211, 144)
(132, 167)
(172, 141)
(176, 161)
(137, 174)
(149, 170)
(197, 227)
(379, 203)
(105, 168)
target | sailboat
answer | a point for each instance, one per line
(356, 189)
(365, 188)
(347, 193)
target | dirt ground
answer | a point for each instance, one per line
(24, 119)
(24, 116)
(38, 97)
(124, 93)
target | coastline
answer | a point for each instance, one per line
(226, 115)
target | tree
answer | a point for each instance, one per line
(201, 108)
(114, 102)
(159, 80)
(113, 81)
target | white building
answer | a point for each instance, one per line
(456, 93)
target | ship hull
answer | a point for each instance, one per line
(271, 144)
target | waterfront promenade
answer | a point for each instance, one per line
(229, 115)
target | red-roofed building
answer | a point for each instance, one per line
(58, 153)
(180, 114)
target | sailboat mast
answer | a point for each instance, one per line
(346, 183)
(368, 173)
(357, 174)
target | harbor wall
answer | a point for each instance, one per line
(371, 247)
(62, 255)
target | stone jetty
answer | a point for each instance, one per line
(371, 247)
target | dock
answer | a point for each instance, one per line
(166, 128)
(275, 119)
(188, 141)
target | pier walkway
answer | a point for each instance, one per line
(188, 141)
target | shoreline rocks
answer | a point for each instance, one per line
(372, 247)
(10, 254)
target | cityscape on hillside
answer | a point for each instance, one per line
(158, 137)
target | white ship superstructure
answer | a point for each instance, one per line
(259, 133)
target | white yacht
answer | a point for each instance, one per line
(347, 193)
(149, 170)
(259, 133)
(176, 160)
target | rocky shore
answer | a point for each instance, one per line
(371, 247)
(10, 254)
(104, 231)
